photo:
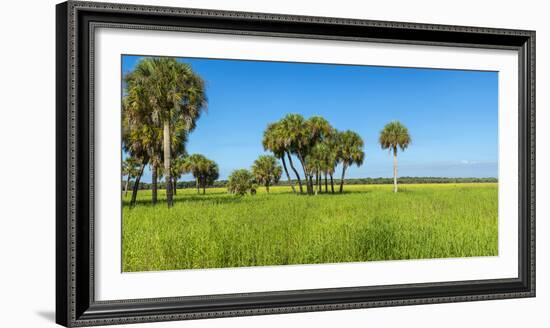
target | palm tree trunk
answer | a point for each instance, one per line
(198, 186)
(267, 187)
(332, 183)
(316, 183)
(126, 186)
(287, 175)
(344, 167)
(154, 184)
(316, 187)
(136, 183)
(319, 178)
(204, 189)
(395, 170)
(295, 172)
(308, 184)
(326, 183)
(167, 158)
(306, 174)
(175, 185)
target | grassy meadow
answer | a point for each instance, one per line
(365, 223)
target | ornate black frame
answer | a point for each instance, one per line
(76, 23)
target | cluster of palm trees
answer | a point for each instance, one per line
(265, 170)
(318, 147)
(163, 100)
(204, 170)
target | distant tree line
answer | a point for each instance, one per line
(351, 181)
(419, 180)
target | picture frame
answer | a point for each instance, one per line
(77, 22)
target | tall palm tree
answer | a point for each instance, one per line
(295, 138)
(395, 135)
(319, 130)
(350, 152)
(313, 163)
(266, 170)
(315, 160)
(154, 149)
(175, 94)
(273, 142)
(324, 154)
(332, 157)
(291, 163)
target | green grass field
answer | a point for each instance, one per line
(366, 223)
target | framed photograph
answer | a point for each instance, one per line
(214, 163)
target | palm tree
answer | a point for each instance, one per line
(178, 170)
(350, 152)
(154, 179)
(315, 162)
(203, 170)
(394, 135)
(324, 157)
(297, 136)
(273, 142)
(319, 130)
(300, 136)
(136, 136)
(194, 164)
(295, 139)
(210, 174)
(331, 158)
(175, 96)
(130, 169)
(266, 170)
(141, 130)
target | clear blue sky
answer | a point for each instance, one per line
(452, 115)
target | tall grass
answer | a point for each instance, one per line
(366, 223)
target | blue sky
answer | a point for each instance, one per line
(452, 115)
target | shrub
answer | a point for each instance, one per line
(240, 182)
